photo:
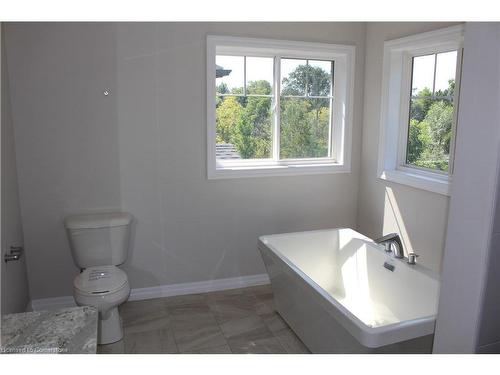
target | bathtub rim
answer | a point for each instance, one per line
(372, 337)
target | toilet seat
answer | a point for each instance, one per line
(100, 280)
(105, 288)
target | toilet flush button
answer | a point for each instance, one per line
(98, 274)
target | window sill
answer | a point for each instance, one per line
(423, 181)
(276, 170)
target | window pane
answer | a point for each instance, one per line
(319, 77)
(423, 74)
(229, 74)
(260, 72)
(304, 127)
(429, 133)
(446, 67)
(293, 77)
(243, 127)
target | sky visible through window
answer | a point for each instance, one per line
(423, 71)
(258, 68)
(261, 69)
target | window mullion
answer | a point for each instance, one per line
(276, 111)
(434, 78)
(330, 130)
(331, 119)
(244, 75)
(307, 79)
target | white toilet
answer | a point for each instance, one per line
(99, 242)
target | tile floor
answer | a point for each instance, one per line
(231, 321)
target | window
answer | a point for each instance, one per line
(243, 107)
(277, 107)
(431, 111)
(306, 108)
(419, 109)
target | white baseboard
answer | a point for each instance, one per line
(197, 287)
(52, 303)
(163, 291)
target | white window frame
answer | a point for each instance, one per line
(341, 129)
(394, 119)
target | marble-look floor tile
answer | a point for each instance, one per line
(265, 302)
(114, 348)
(188, 299)
(195, 327)
(274, 322)
(246, 329)
(151, 342)
(193, 310)
(224, 349)
(290, 342)
(146, 315)
(198, 336)
(230, 321)
(266, 298)
(186, 318)
(146, 304)
(261, 346)
(263, 308)
(189, 309)
(229, 293)
(261, 290)
(227, 308)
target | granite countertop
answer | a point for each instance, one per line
(71, 330)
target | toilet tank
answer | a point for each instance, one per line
(99, 239)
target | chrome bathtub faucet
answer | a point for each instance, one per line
(390, 239)
(412, 258)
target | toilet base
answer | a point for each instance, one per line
(110, 327)
(106, 302)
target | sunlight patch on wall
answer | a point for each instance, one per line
(393, 219)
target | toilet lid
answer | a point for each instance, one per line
(100, 279)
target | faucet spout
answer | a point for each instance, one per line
(391, 241)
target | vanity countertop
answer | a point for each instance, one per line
(71, 330)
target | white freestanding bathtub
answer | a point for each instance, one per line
(336, 290)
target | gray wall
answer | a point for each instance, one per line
(469, 303)
(488, 340)
(489, 327)
(419, 216)
(14, 291)
(142, 149)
